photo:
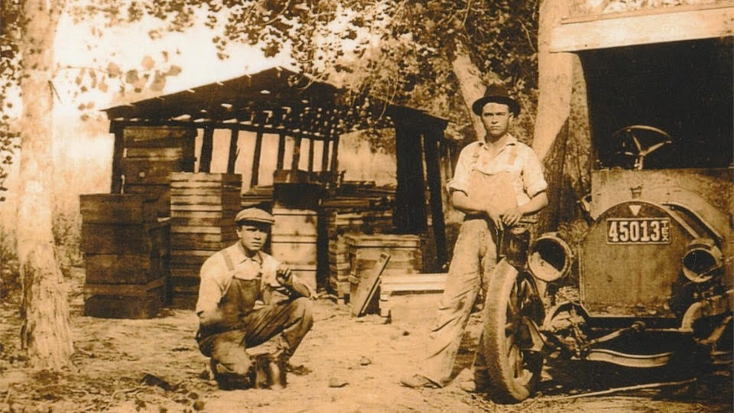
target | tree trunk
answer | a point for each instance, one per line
(470, 81)
(555, 74)
(45, 333)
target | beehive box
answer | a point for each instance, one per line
(341, 224)
(203, 208)
(406, 257)
(126, 252)
(294, 241)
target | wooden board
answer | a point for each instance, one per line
(413, 283)
(140, 134)
(205, 208)
(126, 290)
(117, 208)
(190, 213)
(205, 177)
(122, 268)
(146, 171)
(368, 287)
(231, 199)
(123, 239)
(671, 24)
(177, 243)
(159, 153)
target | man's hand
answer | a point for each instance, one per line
(494, 215)
(284, 275)
(512, 216)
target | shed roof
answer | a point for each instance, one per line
(275, 98)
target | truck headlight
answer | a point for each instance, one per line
(701, 260)
(549, 257)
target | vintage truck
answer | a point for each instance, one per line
(653, 272)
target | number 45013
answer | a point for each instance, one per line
(638, 231)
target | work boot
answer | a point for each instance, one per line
(417, 381)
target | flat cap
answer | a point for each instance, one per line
(254, 215)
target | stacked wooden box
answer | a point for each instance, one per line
(411, 296)
(344, 222)
(203, 208)
(406, 257)
(150, 156)
(294, 241)
(125, 255)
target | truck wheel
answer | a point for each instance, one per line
(512, 298)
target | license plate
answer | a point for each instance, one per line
(638, 231)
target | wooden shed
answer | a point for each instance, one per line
(161, 141)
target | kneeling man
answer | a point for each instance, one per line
(247, 297)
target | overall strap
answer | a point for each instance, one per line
(227, 260)
(513, 155)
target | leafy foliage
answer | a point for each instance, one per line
(399, 51)
(10, 78)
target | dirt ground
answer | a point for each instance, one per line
(353, 365)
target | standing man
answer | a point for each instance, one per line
(497, 181)
(247, 297)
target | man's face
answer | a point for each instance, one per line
(496, 118)
(253, 235)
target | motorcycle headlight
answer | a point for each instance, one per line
(549, 257)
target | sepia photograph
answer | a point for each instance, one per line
(367, 206)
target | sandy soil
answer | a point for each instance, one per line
(155, 366)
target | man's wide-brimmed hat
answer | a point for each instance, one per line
(498, 94)
(254, 215)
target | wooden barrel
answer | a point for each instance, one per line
(294, 241)
(126, 252)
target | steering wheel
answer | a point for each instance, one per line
(636, 142)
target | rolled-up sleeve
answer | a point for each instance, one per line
(532, 175)
(460, 181)
(210, 292)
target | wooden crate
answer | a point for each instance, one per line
(294, 240)
(405, 251)
(125, 301)
(111, 238)
(203, 208)
(342, 222)
(126, 251)
(365, 251)
(117, 209)
(405, 296)
(123, 268)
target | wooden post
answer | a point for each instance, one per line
(232, 150)
(296, 153)
(207, 146)
(281, 150)
(310, 154)
(335, 156)
(431, 139)
(189, 151)
(325, 155)
(117, 158)
(256, 159)
(410, 200)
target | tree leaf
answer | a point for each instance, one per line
(113, 70)
(131, 76)
(148, 63)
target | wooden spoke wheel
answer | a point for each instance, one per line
(513, 370)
